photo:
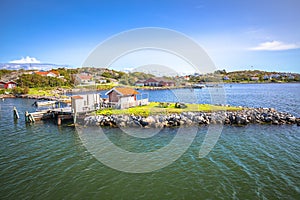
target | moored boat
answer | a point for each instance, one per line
(44, 103)
(198, 86)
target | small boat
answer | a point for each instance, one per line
(44, 103)
(198, 86)
(213, 85)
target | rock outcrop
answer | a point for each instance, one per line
(242, 117)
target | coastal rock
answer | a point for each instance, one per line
(298, 121)
(144, 123)
(122, 124)
(268, 119)
(150, 120)
(159, 125)
(291, 119)
(242, 117)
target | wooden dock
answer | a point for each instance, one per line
(58, 114)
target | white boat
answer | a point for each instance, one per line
(44, 103)
(198, 86)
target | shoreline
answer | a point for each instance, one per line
(26, 96)
(77, 90)
(239, 118)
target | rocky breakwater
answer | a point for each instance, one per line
(242, 117)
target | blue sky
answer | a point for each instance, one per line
(256, 34)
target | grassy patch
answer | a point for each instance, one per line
(41, 91)
(155, 108)
(106, 86)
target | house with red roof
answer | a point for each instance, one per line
(7, 85)
(51, 73)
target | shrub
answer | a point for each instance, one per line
(26, 90)
(164, 105)
(139, 112)
(20, 90)
(180, 105)
(105, 112)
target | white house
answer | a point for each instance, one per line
(85, 103)
(51, 73)
(226, 78)
(254, 78)
(84, 79)
(100, 79)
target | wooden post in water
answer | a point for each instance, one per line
(15, 113)
(28, 117)
(58, 120)
(75, 118)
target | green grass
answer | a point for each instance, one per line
(155, 108)
(34, 91)
(45, 92)
(41, 91)
(106, 86)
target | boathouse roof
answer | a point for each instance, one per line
(123, 91)
(77, 97)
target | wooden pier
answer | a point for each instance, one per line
(58, 114)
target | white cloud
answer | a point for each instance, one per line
(128, 69)
(27, 59)
(274, 46)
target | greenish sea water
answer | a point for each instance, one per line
(43, 161)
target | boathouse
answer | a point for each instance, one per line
(85, 103)
(123, 97)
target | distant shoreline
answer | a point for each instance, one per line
(76, 90)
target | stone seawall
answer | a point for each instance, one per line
(242, 117)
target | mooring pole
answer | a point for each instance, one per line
(58, 120)
(75, 118)
(27, 117)
(15, 113)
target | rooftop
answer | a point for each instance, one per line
(123, 91)
(84, 77)
(77, 97)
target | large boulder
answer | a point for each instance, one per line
(268, 119)
(144, 123)
(298, 121)
(291, 119)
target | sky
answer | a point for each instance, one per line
(237, 35)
